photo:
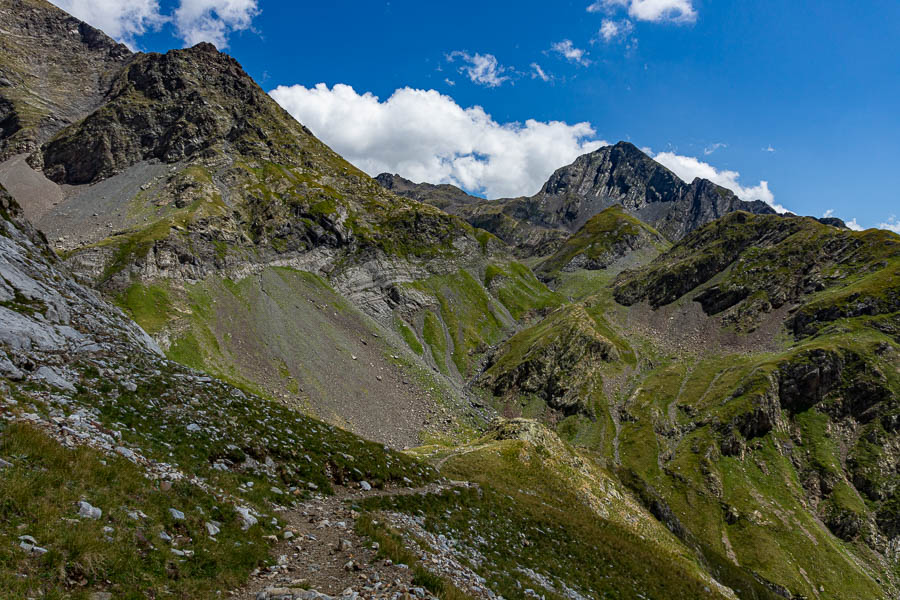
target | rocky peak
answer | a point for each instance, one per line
(171, 107)
(622, 174)
(54, 69)
(618, 175)
(613, 171)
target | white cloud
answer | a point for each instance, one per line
(676, 11)
(568, 50)
(194, 20)
(892, 224)
(611, 30)
(539, 73)
(449, 81)
(123, 20)
(852, 224)
(212, 20)
(483, 69)
(828, 213)
(673, 11)
(425, 136)
(769, 148)
(713, 147)
(688, 168)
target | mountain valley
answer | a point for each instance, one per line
(232, 364)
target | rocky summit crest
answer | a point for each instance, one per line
(614, 175)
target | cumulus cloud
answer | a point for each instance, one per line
(852, 224)
(483, 69)
(673, 11)
(612, 30)
(769, 148)
(688, 168)
(538, 73)
(426, 136)
(213, 20)
(892, 224)
(194, 20)
(572, 54)
(123, 20)
(828, 213)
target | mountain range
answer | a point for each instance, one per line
(232, 362)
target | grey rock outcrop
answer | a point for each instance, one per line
(45, 313)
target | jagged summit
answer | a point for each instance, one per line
(613, 175)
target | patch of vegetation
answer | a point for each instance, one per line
(433, 333)
(409, 336)
(516, 287)
(149, 305)
(124, 555)
(528, 513)
(606, 236)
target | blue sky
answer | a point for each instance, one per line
(801, 95)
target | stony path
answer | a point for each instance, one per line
(320, 555)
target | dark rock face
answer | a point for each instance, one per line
(54, 70)
(622, 174)
(170, 107)
(614, 175)
(805, 381)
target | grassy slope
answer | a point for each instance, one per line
(268, 446)
(752, 508)
(476, 314)
(287, 334)
(40, 495)
(547, 507)
(607, 236)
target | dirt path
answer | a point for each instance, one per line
(320, 550)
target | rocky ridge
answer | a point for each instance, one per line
(614, 175)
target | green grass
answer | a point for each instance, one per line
(409, 337)
(149, 305)
(433, 333)
(39, 496)
(529, 513)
